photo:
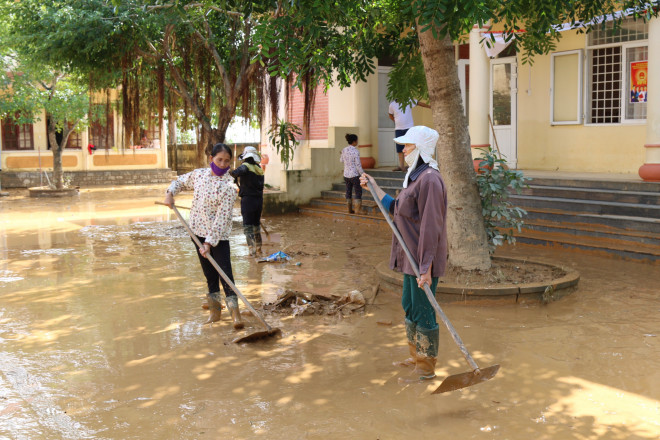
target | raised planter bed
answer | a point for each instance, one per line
(559, 282)
(46, 191)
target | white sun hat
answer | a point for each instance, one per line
(423, 137)
(250, 152)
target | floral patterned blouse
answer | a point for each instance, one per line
(213, 201)
(351, 158)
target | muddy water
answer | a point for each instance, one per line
(101, 337)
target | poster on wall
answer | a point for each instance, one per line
(638, 81)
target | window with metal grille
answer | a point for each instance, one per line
(16, 137)
(605, 90)
(150, 135)
(102, 133)
(609, 85)
(74, 141)
(630, 30)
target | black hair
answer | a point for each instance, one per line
(350, 138)
(420, 161)
(219, 147)
(250, 160)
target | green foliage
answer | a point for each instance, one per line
(283, 137)
(331, 41)
(27, 88)
(496, 181)
(534, 25)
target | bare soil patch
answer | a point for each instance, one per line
(504, 273)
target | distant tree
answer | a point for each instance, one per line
(209, 59)
(27, 89)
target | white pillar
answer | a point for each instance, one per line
(651, 168)
(479, 94)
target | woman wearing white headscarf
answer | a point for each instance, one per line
(250, 179)
(419, 214)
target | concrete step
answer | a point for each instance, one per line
(336, 214)
(604, 195)
(586, 206)
(339, 205)
(391, 190)
(615, 185)
(618, 222)
(613, 218)
(386, 173)
(595, 231)
(602, 246)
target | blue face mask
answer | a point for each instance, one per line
(217, 170)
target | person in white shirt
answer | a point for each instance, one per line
(403, 120)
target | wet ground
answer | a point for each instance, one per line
(101, 337)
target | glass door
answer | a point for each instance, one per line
(503, 107)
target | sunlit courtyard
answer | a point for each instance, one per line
(102, 336)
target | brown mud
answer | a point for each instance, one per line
(101, 337)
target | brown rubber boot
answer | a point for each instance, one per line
(412, 360)
(411, 334)
(425, 367)
(215, 308)
(205, 305)
(349, 205)
(358, 207)
(427, 352)
(232, 305)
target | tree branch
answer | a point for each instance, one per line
(183, 91)
(246, 68)
(216, 56)
(196, 5)
(153, 56)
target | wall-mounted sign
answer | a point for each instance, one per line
(638, 81)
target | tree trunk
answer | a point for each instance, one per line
(58, 172)
(56, 148)
(467, 239)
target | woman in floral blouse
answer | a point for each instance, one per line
(211, 220)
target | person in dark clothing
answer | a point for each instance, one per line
(250, 179)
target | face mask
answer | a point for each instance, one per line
(217, 170)
(411, 159)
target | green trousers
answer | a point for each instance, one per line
(416, 305)
(421, 326)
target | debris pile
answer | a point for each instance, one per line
(306, 303)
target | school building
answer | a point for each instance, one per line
(590, 106)
(26, 159)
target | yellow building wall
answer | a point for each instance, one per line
(80, 160)
(616, 148)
